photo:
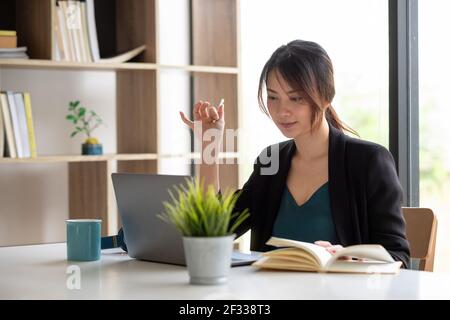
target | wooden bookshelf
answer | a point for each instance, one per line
(49, 64)
(113, 157)
(81, 158)
(215, 74)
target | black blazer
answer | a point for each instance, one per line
(365, 195)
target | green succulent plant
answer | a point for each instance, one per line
(85, 121)
(197, 212)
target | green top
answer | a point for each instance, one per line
(309, 222)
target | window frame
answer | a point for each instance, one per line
(404, 95)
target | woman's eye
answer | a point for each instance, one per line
(297, 99)
(271, 98)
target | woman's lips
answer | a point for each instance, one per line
(287, 125)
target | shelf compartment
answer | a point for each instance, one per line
(136, 118)
(212, 88)
(214, 26)
(135, 26)
(32, 19)
(34, 27)
(89, 192)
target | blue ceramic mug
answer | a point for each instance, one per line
(83, 239)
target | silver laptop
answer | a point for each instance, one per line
(147, 237)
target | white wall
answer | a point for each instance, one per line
(174, 89)
(174, 137)
(34, 197)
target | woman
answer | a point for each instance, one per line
(329, 188)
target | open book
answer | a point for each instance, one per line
(303, 256)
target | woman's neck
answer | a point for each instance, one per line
(313, 145)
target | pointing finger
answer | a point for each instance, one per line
(221, 111)
(188, 122)
(213, 114)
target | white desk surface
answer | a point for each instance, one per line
(39, 272)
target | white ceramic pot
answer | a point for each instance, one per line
(208, 259)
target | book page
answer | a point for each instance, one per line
(367, 267)
(320, 254)
(284, 264)
(373, 252)
(294, 254)
(375, 260)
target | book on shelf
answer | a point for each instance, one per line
(8, 39)
(30, 125)
(61, 48)
(2, 133)
(8, 42)
(17, 123)
(13, 53)
(302, 256)
(23, 127)
(76, 37)
(85, 33)
(8, 33)
(8, 46)
(92, 30)
(69, 15)
(74, 17)
(10, 145)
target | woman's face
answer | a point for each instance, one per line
(289, 109)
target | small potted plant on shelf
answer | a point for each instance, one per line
(85, 121)
(207, 223)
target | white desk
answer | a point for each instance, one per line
(39, 272)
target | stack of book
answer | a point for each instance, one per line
(76, 34)
(8, 46)
(17, 138)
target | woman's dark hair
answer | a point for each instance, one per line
(306, 67)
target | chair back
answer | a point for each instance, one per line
(421, 228)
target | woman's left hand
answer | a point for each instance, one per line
(333, 249)
(330, 248)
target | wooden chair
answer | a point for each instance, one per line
(421, 227)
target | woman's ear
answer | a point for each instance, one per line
(327, 107)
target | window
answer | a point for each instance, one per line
(434, 67)
(355, 35)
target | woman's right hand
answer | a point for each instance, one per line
(206, 117)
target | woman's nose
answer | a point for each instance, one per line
(283, 110)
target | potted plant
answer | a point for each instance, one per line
(85, 121)
(207, 223)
